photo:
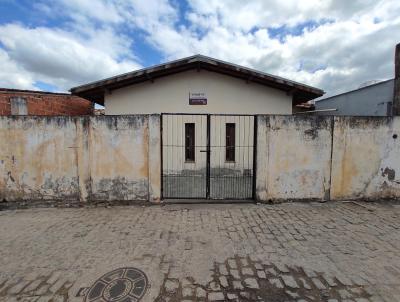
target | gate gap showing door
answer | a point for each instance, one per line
(208, 156)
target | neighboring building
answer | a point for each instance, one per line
(197, 84)
(28, 102)
(372, 100)
(379, 99)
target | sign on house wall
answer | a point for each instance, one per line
(197, 98)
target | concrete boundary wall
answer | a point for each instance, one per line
(98, 158)
(118, 158)
(294, 157)
(366, 158)
(327, 158)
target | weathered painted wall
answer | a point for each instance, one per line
(294, 156)
(37, 159)
(118, 154)
(225, 94)
(112, 158)
(95, 158)
(366, 158)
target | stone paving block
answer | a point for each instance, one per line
(54, 277)
(58, 299)
(304, 283)
(234, 273)
(282, 268)
(232, 297)
(200, 293)
(41, 290)
(187, 292)
(232, 263)
(45, 298)
(345, 294)
(251, 283)
(223, 270)
(171, 286)
(358, 250)
(318, 284)
(237, 285)
(362, 300)
(216, 296)
(330, 280)
(271, 271)
(276, 282)
(57, 285)
(244, 262)
(247, 271)
(17, 288)
(289, 281)
(261, 274)
(215, 286)
(33, 285)
(223, 281)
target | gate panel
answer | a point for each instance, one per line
(231, 156)
(208, 156)
(184, 163)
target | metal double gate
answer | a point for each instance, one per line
(208, 156)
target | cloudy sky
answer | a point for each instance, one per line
(335, 45)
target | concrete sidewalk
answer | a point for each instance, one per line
(239, 252)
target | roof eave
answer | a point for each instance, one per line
(96, 90)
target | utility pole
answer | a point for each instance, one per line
(396, 93)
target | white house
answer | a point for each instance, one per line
(197, 84)
(208, 110)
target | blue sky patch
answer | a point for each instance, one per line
(46, 86)
(283, 31)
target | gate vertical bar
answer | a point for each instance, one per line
(255, 131)
(208, 157)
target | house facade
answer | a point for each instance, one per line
(177, 93)
(208, 123)
(197, 84)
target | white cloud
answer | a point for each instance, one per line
(61, 58)
(356, 44)
(105, 11)
(11, 75)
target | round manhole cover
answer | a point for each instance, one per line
(121, 285)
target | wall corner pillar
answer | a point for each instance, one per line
(261, 193)
(154, 158)
(83, 162)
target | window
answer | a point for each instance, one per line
(230, 142)
(189, 142)
(18, 105)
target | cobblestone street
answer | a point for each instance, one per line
(236, 252)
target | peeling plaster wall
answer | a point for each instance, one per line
(366, 158)
(118, 155)
(38, 159)
(294, 156)
(113, 158)
(99, 158)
